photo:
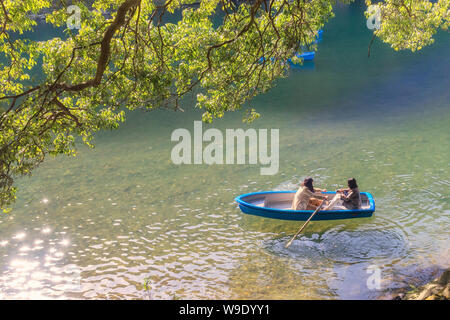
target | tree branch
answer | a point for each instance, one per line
(105, 49)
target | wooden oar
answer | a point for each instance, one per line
(303, 227)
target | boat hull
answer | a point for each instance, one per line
(255, 204)
(307, 56)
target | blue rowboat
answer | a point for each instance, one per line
(306, 56)
(319, 35)
(277, 204)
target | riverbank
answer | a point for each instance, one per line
(438, 289)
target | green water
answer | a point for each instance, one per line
(124, 212)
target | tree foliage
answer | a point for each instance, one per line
(411, 24)
(127, 56)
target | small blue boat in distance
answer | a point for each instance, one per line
(306, 56)
(309, 55)
(319, 35)
(277, 204)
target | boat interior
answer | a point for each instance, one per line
(283, 201)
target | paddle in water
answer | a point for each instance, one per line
(307, 221)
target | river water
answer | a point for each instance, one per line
(98, 225)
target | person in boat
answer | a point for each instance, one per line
(307, 197)
(350, 196)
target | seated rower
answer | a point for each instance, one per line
(351, 197)
(307, 197)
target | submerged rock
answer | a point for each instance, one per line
(444, 279)
(438, 289)
(446, 292)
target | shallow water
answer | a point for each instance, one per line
(97, 225)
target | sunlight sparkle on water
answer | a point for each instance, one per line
(24, 248)
(23, 265)
(20, 236)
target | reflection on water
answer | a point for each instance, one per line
(98, 225)
(38, 270)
